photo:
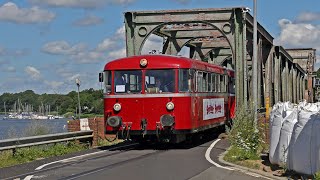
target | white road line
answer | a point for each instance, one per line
(84, 155)
(207, 155)
(28, 177)
(72, 158)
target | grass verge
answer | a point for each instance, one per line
(24, 155)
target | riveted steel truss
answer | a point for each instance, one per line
(220, 36)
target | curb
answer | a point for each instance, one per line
(220, 158)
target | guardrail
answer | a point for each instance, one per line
(15, 143)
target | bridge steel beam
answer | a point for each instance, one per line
(277, 77)
(291, 75)
(204, 31)
(294, 85)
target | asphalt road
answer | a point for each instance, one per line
(135, 162)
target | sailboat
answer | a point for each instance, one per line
(5, 111)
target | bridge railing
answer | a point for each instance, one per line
(13, 144)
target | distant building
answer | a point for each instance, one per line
(317, 89)
(306, 58)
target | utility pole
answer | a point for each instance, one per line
(78, 84)
(255, 65)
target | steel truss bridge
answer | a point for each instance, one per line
(224, 36)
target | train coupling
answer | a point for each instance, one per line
(143, 125)
(125, 130)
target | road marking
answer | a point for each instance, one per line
(72, 158)
(28, 177)
(207, 155)
(84, 155)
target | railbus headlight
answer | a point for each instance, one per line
(170, 106)
(167, 120)
(114, 121)
(117, 106)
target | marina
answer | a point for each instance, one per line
(17, 127)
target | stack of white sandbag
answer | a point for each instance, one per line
(295, 136)
(281, 113)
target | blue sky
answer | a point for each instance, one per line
(46, 44)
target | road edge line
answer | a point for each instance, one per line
(207, 156)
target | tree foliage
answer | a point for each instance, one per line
(91, 101)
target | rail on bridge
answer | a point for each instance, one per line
(222, 36)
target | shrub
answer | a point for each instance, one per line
(317, 176)
(244, 137)
(36, 128)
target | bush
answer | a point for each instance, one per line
(317, 176)
(36, 128)
(244, 137)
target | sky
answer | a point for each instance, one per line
(46, 44)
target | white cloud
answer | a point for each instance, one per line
(12, 13)
(13, 52)
(86, 4)
(117, 54)
(308, 17)
(54, 84)
(63, 48)
(106, 44)
(33, 72)
(109, 48)
(10, 69)
(88, 21)
(88, 57)
(74, 77)
(121, 33)
(152, 43)
(298, 35)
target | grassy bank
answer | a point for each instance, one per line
(24, 155)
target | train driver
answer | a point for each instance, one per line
(119, 82)
(164, 87)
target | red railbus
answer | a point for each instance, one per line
(165, 98)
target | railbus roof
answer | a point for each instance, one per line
(161, 62)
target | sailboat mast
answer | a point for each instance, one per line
(5, 109)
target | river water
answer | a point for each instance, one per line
(11, 128)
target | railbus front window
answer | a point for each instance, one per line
(107, 81)
(128, 81)
(158, 81)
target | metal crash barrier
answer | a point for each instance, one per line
(15, 143)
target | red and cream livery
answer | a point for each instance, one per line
(165, 98)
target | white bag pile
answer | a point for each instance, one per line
(295, 136)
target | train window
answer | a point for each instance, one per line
(185, 80)
(213, 77)
(160, 81)
(222, 83)
(107, 81)
(127, 81)
(209, 83)
(218, 83)
(205, 82)
(199, 81)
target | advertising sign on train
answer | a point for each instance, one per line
(213, 108)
